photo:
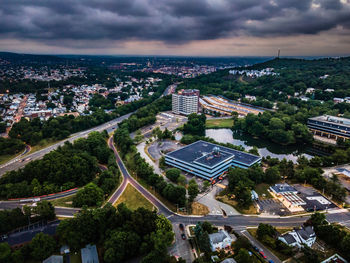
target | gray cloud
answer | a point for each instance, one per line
(169, 21)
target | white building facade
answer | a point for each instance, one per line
(185, 102)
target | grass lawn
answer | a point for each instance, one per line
(42, 144)
(232, 202)
(7, 157)
(133, 199)
(75, 258)
(171, 206)
(218, 123)
(261, 190)
(64, 201)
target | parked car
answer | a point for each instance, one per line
(183, 236)
(262, 254)
(256, 248)
(271, 261)
(181, 226)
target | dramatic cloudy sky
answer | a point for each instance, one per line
(176, 27)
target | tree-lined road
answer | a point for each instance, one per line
(21, 161)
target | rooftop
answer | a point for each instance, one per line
(89, 254)
(332, 120)
(54, 259)
(210, 154)
(218, 237)
(283, 188)
(289, 238)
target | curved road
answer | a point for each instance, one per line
(238, 220)
(128, 179)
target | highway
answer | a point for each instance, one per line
(110, 126)
(21, 161)
(240, 222)
(237, 221)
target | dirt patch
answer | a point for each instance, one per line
(199, 209)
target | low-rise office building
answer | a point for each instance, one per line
(209, 160)
(330, 126)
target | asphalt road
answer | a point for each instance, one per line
(21, 161)
(128, 179)
(236, 221)
(269, 255)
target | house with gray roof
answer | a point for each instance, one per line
(229, 260)
(54, 259)
(220, 240)
(89, 254)
(299, 237)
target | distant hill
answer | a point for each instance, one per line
(293, 63)
(15, 58)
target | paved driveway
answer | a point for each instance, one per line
(215, 207)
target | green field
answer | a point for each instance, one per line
(64, 201)
(261, 189)
(218, 123)
(42, 144)
(7, 157)
(133, 199)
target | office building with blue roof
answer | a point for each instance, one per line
(209, 160)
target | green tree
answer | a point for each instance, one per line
(45, 210)
(317, 219)
(5, 252)
(243, 256)
(90, 195)
(241, 242)
(272, 175)
(173, 174)
(265, 230)
(192, 190)
(42, 246)
(17, 256)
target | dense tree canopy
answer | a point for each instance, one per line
(123, 233)
(71, 165)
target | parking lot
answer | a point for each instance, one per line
(343, 175)
(165, 120)
(272, 207)
(157, 149)
(314, 200)
(181, 248)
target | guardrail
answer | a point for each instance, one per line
(37, 198)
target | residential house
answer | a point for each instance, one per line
(229, 260)
(220, 240)
(299, 237)
(89, 254)
(54, 259)
(335, 259)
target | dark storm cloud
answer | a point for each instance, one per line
(170, 21)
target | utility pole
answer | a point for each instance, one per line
(279, 52)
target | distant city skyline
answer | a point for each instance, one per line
(177, 27)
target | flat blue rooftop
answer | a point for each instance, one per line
(203, 153)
